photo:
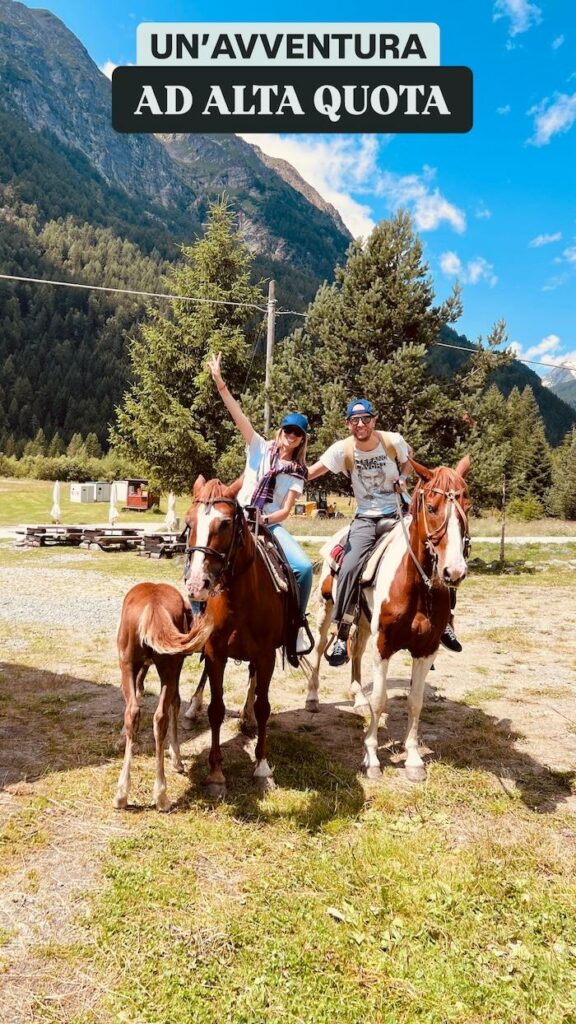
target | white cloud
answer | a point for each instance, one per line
(522, 14)
(541, 240)
(482, 213)
(557, 42)
(570, 254)
(334, 166)
(476, 270)
(108, 68)
(547, 345)
(555, 282)
(552, 117)
(451, 264)
(504, 110)
(427, 205)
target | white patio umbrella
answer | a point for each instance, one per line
(112, 510)
(55, 511)
(171, 521)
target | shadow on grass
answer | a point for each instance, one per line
(52, 722)
(509, 567)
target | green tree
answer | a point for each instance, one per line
(171, 420)
(92, 446)
(56, 446)
(562, 497)
(531, 469)
(76, 446)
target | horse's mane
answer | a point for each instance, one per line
(212, 489)
(444, 478)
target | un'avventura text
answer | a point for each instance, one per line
(289, 45)
(330, 100)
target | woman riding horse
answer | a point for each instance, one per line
(274, 477)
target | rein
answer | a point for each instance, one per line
(433, 537)
(228, 557)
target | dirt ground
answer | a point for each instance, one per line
(507, 705)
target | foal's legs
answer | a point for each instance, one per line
(131, 672)
(216, 783)
(377, 704)
(248, 723)
(263, 775)
(415, 769)
(141, 674)
(169, 668)
(195, 706)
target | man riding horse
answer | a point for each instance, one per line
(377, 464)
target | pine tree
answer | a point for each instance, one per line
(56, 447)
(531, 461)
(76, 446)
(92, 446)
(562, 498)
(172, 420)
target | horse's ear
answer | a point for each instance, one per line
(421, 471)
(198, 485)
(463, 466)
(232, 490)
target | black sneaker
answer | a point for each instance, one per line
(450, 641)
(339, 654)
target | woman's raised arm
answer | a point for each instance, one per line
(234, 407)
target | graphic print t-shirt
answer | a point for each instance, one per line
(373, 475)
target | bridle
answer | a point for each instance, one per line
(228, 557)
(433, 537)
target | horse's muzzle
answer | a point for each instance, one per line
(454, 577)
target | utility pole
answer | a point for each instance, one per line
(269, 350)
(503, 529)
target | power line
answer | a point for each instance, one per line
(229, 302)
(132, 291)
(536, 362)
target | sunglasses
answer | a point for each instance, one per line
(293, 430)
(365, 420)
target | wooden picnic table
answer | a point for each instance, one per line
(49, 535)
(164, 544)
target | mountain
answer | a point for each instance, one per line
(562, 383)
(558, 416)
(80, 202)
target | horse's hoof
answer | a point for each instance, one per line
(216, 790)
(248, 728)
(360, 703)
(312, 705)
(179, 767)
(264, 784)
(189, 723)
(120, 802)
(163, 803)
(373, 772)
(416, 773)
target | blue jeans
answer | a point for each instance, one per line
(299, 562)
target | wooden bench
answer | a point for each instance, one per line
(162, 545)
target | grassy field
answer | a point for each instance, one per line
(328, 900)
(30, 501)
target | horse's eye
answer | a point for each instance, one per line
(224, 525)
(430, 509)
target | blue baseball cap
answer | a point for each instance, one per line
(360, 407)
(296, 419)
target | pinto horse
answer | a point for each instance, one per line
(225, 570)
(154, 629)
(408, 607)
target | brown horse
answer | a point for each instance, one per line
(411, 599)
(154, 629)
(224, 568)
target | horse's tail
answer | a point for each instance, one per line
(156, 629)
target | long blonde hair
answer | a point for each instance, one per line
(300, 454)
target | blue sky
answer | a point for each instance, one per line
(496, 207)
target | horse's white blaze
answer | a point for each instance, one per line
(195, 582)
(262, 770)
(386, 574)
(454, 562)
